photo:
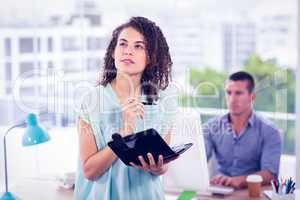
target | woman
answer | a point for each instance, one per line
(137, 68)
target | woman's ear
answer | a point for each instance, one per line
(147, 59)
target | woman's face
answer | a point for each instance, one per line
(130, 53)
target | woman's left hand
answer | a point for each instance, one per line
(154, 168)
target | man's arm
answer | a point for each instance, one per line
(271, 152)
(208, 141)
(239, 182)
(267, 176)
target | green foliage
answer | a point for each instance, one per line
(207, 75)
(259, 68)
(208, 85)
(274, 86)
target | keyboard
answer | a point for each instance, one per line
(217, 189)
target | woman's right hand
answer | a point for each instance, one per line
(131, 110)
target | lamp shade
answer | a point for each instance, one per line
(8, 196)
(34, 134)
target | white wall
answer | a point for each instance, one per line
(53, 158)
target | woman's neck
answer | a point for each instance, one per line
(127, 86)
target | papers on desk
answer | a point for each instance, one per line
(273, 196)
(66, 180)
(268, 193)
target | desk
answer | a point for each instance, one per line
(40, 189)
(236, 195)
(47, 189)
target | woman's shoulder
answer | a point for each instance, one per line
(96, 97)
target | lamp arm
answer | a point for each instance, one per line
(5, 153)
(20, 124)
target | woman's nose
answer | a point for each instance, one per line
(128, 50)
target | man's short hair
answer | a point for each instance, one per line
(243, 76)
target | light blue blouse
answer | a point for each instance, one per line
(101, 109)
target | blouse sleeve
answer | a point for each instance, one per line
(88, 111)
(88, 106)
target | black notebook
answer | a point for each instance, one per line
(128, 148)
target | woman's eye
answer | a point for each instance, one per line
(139, 47)
(122, 44)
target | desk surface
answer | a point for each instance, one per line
(40, 189)
(47, 189)
(236, 195)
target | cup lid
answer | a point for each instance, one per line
(254, 178)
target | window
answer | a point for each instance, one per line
(94, 43)
(27, 69)
(50, 44)
(7, 46)
(38, 45)
(94, 64)
(28, 91)
(8, 71)
(50, 65)
(26, 45)
(71, 65)
(8, 77)
(71, 44)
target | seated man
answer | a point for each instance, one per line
(243, 142)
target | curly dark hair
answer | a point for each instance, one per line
(157, 73)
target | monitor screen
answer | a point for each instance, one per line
(190, 170)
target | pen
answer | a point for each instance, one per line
(292, 184)
(273, 186)
(284, 185)
(287, 186)
(276, 186)
(292, 190)
(280, 186)
(292, 187)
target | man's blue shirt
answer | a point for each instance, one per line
(258, 146)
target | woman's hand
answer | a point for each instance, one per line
(131, 110)
(158, 168)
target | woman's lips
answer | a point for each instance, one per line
(127, 61)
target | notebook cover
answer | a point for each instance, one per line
(128, 148)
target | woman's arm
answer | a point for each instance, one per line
(94, 162)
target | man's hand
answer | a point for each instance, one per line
(236, 182)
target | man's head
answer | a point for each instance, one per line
(240, 95)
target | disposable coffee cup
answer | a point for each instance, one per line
(254, 185)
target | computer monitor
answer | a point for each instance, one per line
(190, 170)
